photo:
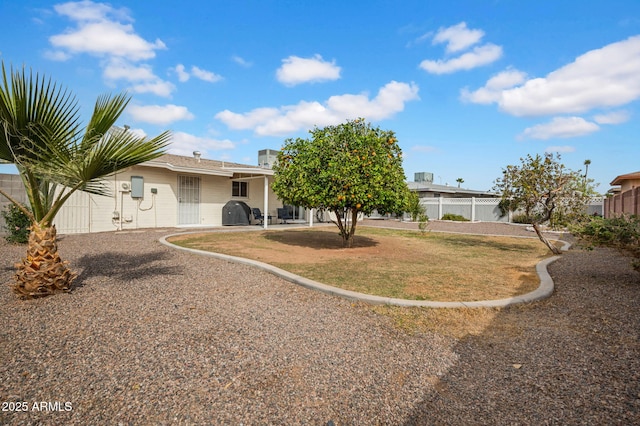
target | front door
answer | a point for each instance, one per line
(188, 200)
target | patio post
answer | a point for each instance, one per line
(266, 203)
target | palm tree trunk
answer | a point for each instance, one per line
(42, 272)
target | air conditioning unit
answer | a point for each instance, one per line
(423, 177)
(126, 186)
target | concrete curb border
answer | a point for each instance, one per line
(544, 290)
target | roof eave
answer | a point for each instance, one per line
(629, 176)
(181, 169)
(251, 170)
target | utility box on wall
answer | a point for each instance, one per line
(137, 187)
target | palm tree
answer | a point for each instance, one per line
(587, 162)
(41, 134)
(460, 181)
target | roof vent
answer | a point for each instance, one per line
(196, 155)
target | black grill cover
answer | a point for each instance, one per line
(235, 213)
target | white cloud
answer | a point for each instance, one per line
(158, 88)
(57, 55)
(106, 32)
(390, 100)
(458, 37)
(419, 40)
(492, 90)
(89, 11)
(199, 73)
(296, 70)
(161, 115)
(182, 74)
(559, 149)
(138, 132)
(601, 78)
(560, 127)
(118, 69)
(106, 39)
(290, 119)
(205, 75)
(142, 77)
(305, 115)
(184, 144)
(247, 120)
(615, 117)
(241, 61)
(481, 55)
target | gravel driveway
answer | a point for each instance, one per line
(157, 336)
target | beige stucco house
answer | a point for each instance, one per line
(625, 198)
(627, 181)
(170, 191)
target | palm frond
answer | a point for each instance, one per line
(104, 157)
(35, 115)
(40, 132)
(105, 113)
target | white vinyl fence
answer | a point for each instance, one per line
(75, 216)
(474, 209)
(482, 209)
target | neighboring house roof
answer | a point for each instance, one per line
(184, 164)
(446, 189)
(629, 176)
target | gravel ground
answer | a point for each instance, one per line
(156, 336)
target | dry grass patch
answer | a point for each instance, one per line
(491, 323)
(457, 323)
(391, 263)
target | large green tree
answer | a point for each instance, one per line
(41, 133)
(347, 169)
(543, 188)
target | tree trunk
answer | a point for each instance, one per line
(347, 231)
(553, 248)
(42, 272)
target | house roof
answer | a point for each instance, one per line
(446, 189)
(181, 163)
(629, 176)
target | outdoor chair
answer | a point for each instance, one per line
(257, 215)
(284, 215)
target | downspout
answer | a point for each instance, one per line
(121, 208)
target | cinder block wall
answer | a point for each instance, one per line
(11, 184)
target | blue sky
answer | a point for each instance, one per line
(468, 86)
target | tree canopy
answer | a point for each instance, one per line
(348, 169)
(544, 189)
